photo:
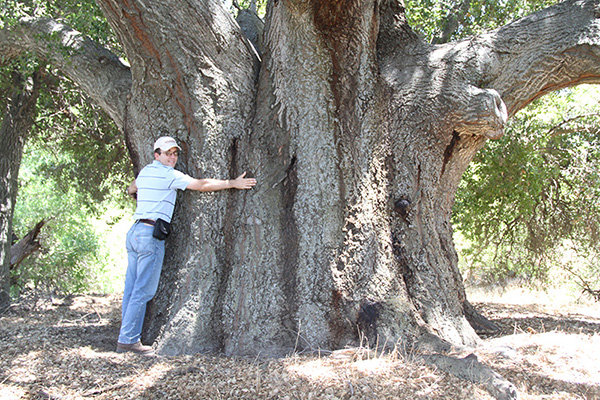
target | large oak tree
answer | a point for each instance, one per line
(358, 132)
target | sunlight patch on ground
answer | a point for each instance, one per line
(150, 377)
(554, 299)
(315, 370)
(22, 371)
(556, 355)
(11, 392)
(327, 369)
(89, 354)
(373, 366)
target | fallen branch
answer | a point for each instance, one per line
(44, 394)
(26, 246)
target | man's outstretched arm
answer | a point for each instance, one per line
(213, 185)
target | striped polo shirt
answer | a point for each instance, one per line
(157, 189)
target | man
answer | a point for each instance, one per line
(156, 187)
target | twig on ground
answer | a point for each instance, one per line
(95, 392)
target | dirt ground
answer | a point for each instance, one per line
(64, 349)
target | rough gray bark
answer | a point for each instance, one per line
(358, 133)
(18, 119)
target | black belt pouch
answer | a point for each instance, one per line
(161, 229)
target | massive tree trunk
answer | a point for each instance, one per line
(358, 133)
(18, 120)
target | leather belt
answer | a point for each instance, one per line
(146, 221)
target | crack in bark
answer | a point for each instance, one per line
(225, 258)
(449, 150)
(289, 251)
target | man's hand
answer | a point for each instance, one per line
(132, 189)
(243, 183)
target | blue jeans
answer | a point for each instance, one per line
(145, 255)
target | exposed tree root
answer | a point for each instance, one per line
(433, 351)
(469, 368)
(479, 323)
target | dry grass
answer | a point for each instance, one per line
(65, 350)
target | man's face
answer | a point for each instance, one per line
(168, 158)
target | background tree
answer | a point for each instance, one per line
(18, 119)
(440, 21)
(529, 200)
(77, 147)
(359, 132)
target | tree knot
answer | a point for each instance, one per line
(483, 113)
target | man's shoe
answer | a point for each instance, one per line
(137, 348)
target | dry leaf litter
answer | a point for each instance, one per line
(64, 349)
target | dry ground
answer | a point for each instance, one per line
(64, 349)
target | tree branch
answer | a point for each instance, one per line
(99, 73)
(554, 48)
(494, 75)
(26, 246)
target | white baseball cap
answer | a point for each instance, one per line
(165, 143)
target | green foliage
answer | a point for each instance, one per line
(75, 257)
(12, 10)
(430, 18)
(68, 122)
(93, 156)
(75, 164)
(528, 204)
(74, 170)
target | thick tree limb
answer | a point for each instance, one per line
(99, 73)
(251, 24)
(554, 48)
(194, 75)
(494, 75)
(26, 246)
